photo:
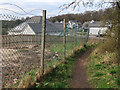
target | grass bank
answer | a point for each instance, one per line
(61, 76)
(102, 69)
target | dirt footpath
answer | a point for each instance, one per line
(80, 78)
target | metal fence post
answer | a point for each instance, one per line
(64, 40)
(43, 40)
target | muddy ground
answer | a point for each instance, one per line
(17, 62)
(80, 78)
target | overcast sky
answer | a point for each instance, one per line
(52, 7)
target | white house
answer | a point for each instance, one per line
(71, 24)
(33, 26)
(95, 27)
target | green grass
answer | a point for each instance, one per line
(102, 72)
(59, 47)
(61, 76)
(32, 73)
(51, 63)
(81, 33)
(56, 48)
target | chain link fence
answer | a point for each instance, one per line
(21, 47)
(20, 53)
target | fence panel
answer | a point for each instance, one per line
(20, 54)
(53, 50)
(73, 40)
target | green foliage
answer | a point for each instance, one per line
(87, 16)
(7, 25)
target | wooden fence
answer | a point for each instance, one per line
(20, 40)
(10, 40)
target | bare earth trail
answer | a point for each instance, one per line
(80, 78)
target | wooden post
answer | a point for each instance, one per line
(64, 40)
(75, 42)
(99, 35)
(87, 36)
(43, 40)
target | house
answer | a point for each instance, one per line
(71, 24)
(95, 27)
(33, 26)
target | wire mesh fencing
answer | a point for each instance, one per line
(73, 39)
(53, 50)
(20, 53)
(21, 47)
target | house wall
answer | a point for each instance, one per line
(95, 30)
(56, 34)
(14, 33)
(71, 24)
(28, 30)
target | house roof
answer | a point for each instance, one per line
(59, 25)
(35, 19)
(92, 23)
(95, 24)
(73, 21)
(50, 27)
(18, 28)
(36, 24)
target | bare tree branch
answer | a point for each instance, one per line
(118, 4)
(88, 3)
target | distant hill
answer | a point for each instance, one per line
(82, 17)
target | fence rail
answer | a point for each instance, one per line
(10, 40)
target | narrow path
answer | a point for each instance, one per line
(80, 78)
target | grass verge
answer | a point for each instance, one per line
(61, 76)
(102, 70)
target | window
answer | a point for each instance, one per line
(86, 25)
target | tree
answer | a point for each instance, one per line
(88, 3)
